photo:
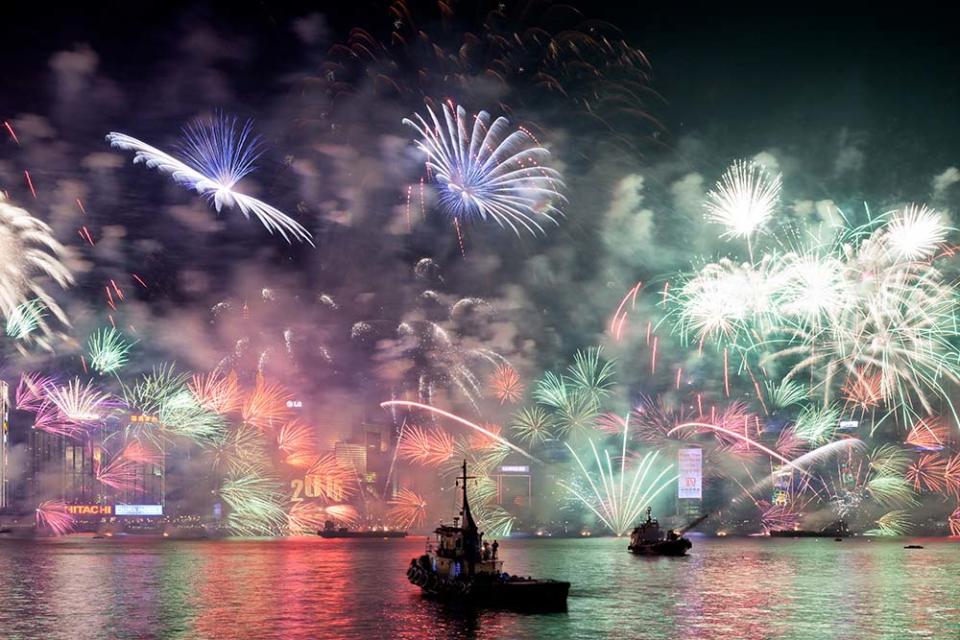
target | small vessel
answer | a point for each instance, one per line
(330, 531)
(461, 568)
(648, 540)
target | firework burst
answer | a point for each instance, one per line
(506, 385)
(217, 154)
(616, 498)
(53, 516)
(32, 255)
(429, 447)
(217, 392)
(486, 171)
(744, 199)
(108, 351)
(407, 510)
(532, 426)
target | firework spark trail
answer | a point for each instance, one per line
(487, 173)
(739, 436)
(456, 418)
(816, 456)
(26, 175)
(217, 155)
(619, 319)
(13, 134)
(616, 504)
(53, 515)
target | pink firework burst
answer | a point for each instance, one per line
(217, 392)
(32, 391)
(652, 421)
(789, 445)
(929, 434)
(305, 517)
(778, 517)
(267, 405)
(430, 447)
(52, 515)
(344, 513)
(928, 473)
(611, 423)
(951, 475)
(954, 521)
(49, 418)
(295, 439)
(119, 473)
(330, 479)
(863, 390)
(506, 385)
(407, 510)
(139, 453)
(480, 441)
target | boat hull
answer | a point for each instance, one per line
(522, 594)
(661, 548)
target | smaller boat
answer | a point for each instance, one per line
(463, 569)
(914, 546)
(648, 540)
(330, 531)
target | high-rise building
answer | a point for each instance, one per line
(4, 445)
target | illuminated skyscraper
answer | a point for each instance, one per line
(4, 445)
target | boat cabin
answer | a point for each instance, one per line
(647, 531)
(459, 549)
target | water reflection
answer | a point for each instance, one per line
(315, 588)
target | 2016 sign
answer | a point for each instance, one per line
(315, 486)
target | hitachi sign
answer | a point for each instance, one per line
(90, 509)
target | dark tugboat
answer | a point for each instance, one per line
(648, 540)
(462, 568)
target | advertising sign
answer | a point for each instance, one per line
(138, 510)
(689, 464)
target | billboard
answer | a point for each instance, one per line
(138, 510)
(690, 466)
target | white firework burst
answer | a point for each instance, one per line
(915, 232)
(744, 199)
(217, 154)
(31, 255)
